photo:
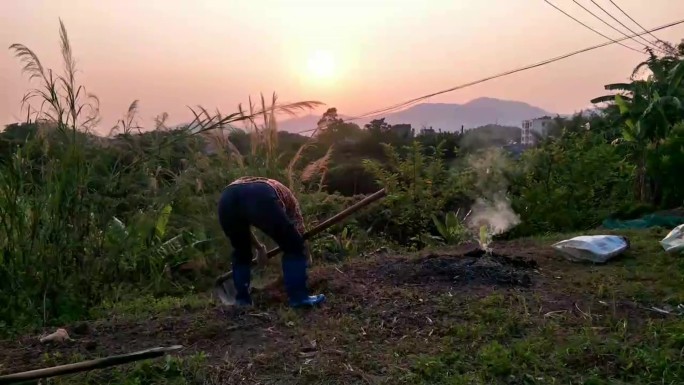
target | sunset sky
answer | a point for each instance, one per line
(356, 55)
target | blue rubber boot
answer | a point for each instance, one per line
(294, 277)
(241, 280)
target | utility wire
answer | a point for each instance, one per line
(521, 69)
(622, 24)
(607, 23)
(630, 18)
(588, 27)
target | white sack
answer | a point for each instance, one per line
(594, 248)
(674, 241)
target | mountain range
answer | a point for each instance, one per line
(444, 116)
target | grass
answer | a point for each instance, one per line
(515, 338)
(148, 305)
(644, 273)
(581, 324)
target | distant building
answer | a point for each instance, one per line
(539, 126)
(403, 130)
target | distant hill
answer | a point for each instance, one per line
(446, 116)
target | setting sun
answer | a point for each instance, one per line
(321, 65)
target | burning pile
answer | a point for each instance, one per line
(491, 214)
(476, 267)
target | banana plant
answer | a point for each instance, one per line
(647, 110)
(336, 246)
(144, 236)
(452, 230)
(345, 240)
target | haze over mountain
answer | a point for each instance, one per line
(445, 116)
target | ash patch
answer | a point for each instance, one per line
(471, 268)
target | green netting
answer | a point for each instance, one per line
(644, 222)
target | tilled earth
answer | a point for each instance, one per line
(380, 312)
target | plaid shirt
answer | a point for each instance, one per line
(287, 199)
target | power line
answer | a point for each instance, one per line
(634, 21)
(607, 23)
(521, 69)
(591, 29)
(622, 24)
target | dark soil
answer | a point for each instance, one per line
(472, 268)
(374, 306)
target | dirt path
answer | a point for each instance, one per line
(377, 309)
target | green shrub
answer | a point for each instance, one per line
(571, 183)
(419, 186)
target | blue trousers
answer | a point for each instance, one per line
(256, 204)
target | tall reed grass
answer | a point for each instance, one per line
(87, 219)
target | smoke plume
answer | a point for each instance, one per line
(497, 215)
(492, 208)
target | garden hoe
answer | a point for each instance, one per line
(224, 288)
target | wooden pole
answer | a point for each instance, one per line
(83, 366)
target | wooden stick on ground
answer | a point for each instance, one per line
(86, 365)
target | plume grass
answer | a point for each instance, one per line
(62, 100)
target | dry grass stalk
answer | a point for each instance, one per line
(250, 126)
(312, 141)
(220, 143)
(265, 135)
(293, 163)
(203, 121)
(68, 104)
(127, 122)
(160, 122)
(317, 167)
(271, 131)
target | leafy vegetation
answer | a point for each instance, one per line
(91, 222)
